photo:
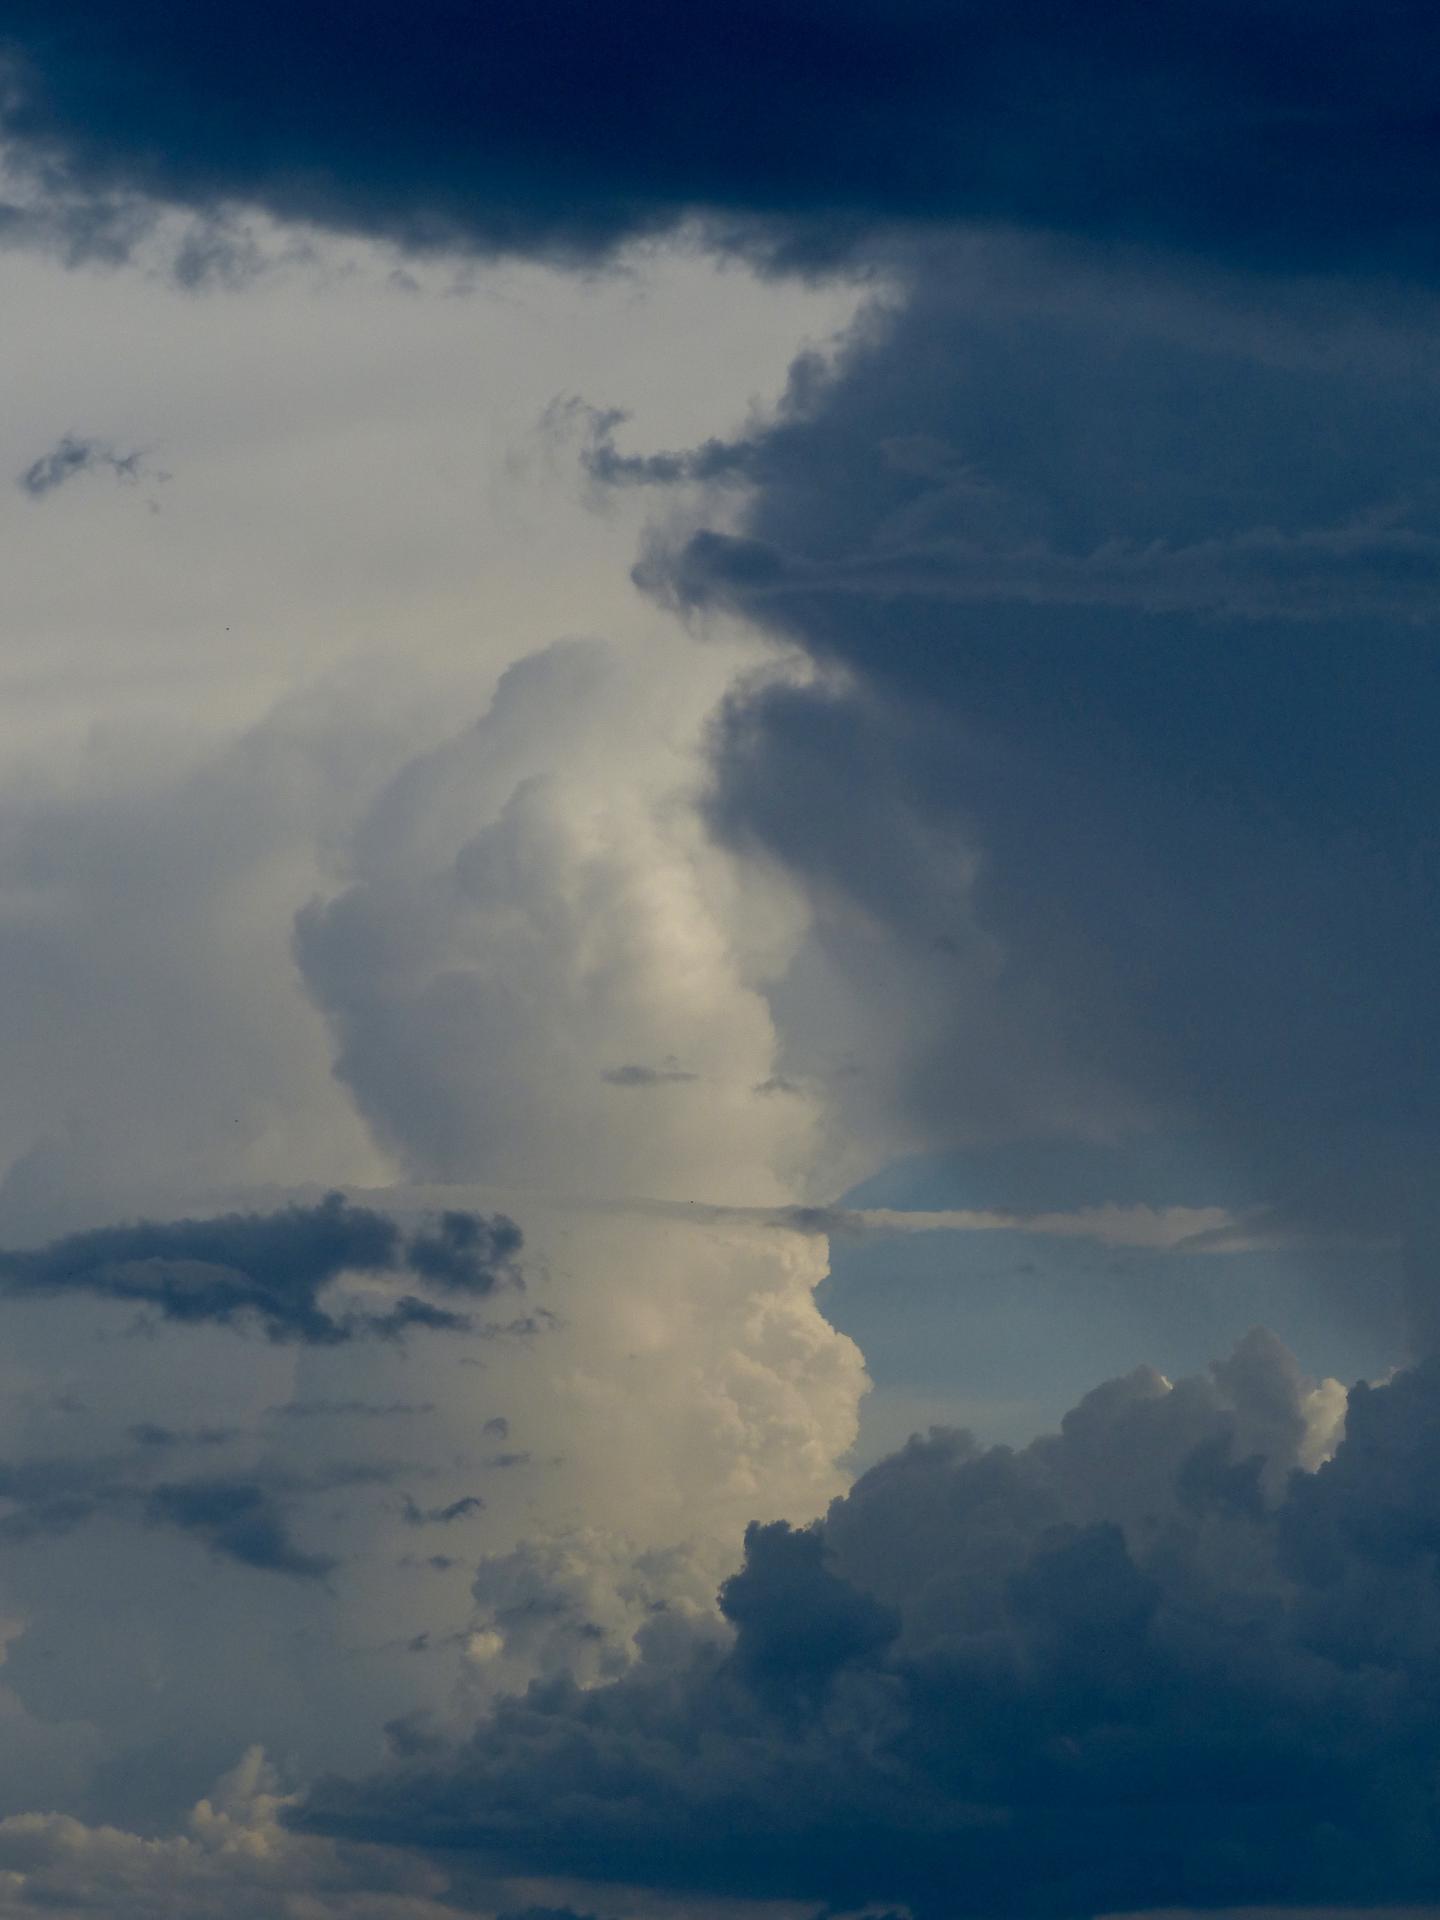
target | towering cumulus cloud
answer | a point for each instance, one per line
(996, 829)
(518, 921)
(544, 985)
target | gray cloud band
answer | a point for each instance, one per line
(270, 1270)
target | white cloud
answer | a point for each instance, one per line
(516, 904)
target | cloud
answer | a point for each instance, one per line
(467, 1254)
(418, 1516)
(568, 128)
(72, 456)
(1117, 592)
(148, 1433)
(1179, 1653)
(521, 934)
(513, 920)
(352, 1409)
(54, 1496)
(637, 1076)
(503, 923)
(237, 1520)
(230, 1860)
(1196, 1230)
(271, 1269)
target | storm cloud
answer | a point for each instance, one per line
(1122, 591)
(1052, 775)
(1276, 134)
(1179, 1654)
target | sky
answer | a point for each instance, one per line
(719, 902)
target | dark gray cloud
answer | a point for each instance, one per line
(352, 1409)
(1270, 132)
(46, 1497)
(1146, 1662)
(1125, 590)
(238, 1520)
(270, 1270)
(462, 1509)
(149, 1434)
(466, 1253)
(634, 1075)
(571, 419)
(72, 456)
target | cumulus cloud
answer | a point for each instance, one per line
(525, 941)
(176, 1077)
(232, 1860)
(1088, 796)
(514, 924)
(1179, 1653)
(270, 1270)
(500, 923)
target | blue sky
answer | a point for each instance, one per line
(718, 922)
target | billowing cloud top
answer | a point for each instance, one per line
(1149, 1661)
